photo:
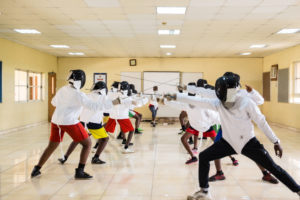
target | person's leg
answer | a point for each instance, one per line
(152, 109)
(256, 152)
(47, 153)
(195, 142)
(56, 137)
(80, 135)
(129, 137)
(71, 148)
(126, 126)
(137, 118)
(267, 176)
(191, 140)
(184, 140)
(216, 151)
(102, 144)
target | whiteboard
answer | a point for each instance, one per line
(167, 82)
(133, 78)
(190, 77)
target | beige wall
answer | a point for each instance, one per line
(15, 56)
(250, 69)
(283, 113)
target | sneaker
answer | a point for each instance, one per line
(191, 142)
(125, 151)
(181, 132)
(35, 172)
(120, 137)
(137, 132)
(80, 174)
(200, 195)
(124, 142)
(139, 129)
(192, 160)
(97, 161)
(235, 163)
(62, 160)
(217, 177)
(269, 178)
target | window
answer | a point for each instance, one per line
(28, 86)
(296, 92)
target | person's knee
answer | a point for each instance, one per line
(86, 143)
(183, 139)
(203, 157)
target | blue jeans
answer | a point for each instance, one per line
(154, 111)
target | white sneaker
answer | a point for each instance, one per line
(200, 195)
(128, 150)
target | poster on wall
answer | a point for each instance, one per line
(100, 77)
(0, 82)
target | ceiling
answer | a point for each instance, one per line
(128, 28)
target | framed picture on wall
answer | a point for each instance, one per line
(274, 72)
(100, 77)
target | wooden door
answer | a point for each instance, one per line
(51, 93)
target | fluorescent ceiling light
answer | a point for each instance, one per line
(27, 31)
(169, 32)
(257, 46)
(168, 46)
(171, 10)
(168, 54)
(288, 31)
(76, 53)
(59, 46)
(246, 54)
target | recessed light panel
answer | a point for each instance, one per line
(289, 31)
(60, 46)
(167, 46)
(169, 32)
(258, 46)
(27, 31)
(245, 54)
(76, 53)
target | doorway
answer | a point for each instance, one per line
(51, 93)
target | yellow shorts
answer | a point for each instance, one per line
(105, 119)
(99, 133)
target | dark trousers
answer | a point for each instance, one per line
(253, 150)
(153, 111)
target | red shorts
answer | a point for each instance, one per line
(76, 132)
(209, 133)
(125, 125)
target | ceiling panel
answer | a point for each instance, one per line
(128, 28)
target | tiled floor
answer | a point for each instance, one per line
(156, 171)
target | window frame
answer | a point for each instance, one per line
(39, 86)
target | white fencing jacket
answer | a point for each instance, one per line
(95, 116)
(121, 111)
(209, 93)
(69, 103)
(199, 119)
(237, 127)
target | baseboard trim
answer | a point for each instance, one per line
(22, 127)
(284, 126)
